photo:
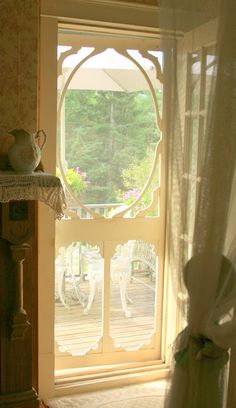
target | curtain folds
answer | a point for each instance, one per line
(200, 56)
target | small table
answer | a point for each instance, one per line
(36, 186)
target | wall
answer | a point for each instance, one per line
(19, 28)
(19, 39)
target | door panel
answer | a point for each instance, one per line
(109, 246)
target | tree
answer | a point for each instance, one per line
(134, 179)
(104, 131)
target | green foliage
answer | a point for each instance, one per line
(76, 181)
(135, 177)
(105, 132)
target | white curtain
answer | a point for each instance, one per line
(199, 43)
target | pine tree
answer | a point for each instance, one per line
(105, 132)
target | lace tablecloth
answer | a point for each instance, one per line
(36, 186)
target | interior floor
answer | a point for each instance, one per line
(150, 394)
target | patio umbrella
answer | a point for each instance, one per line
(109, 70)
(109, 79)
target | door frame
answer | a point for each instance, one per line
(51, 16)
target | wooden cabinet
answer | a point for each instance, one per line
(18, 305)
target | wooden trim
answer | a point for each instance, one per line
(73, 383)
(106, 14)
(122, 15)
(34, 323)
(18, 348)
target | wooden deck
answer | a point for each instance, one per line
(75, 332)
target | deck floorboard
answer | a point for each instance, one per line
(75, 331)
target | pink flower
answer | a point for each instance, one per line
(131, 194)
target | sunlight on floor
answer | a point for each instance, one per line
(149, 394)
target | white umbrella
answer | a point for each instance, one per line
(108, 71)
(123, 80)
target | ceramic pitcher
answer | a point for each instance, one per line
(25, 154)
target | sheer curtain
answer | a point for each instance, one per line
(200, 53)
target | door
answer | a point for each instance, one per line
(110, 244)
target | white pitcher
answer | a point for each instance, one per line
(25, 154)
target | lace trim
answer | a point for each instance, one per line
(36, 186)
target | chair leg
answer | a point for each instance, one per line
(92, 290)
(123, 295)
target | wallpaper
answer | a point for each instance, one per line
(19, 28)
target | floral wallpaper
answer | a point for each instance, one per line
(19, 37)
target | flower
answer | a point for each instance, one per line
(130, 196)
(76, 178)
